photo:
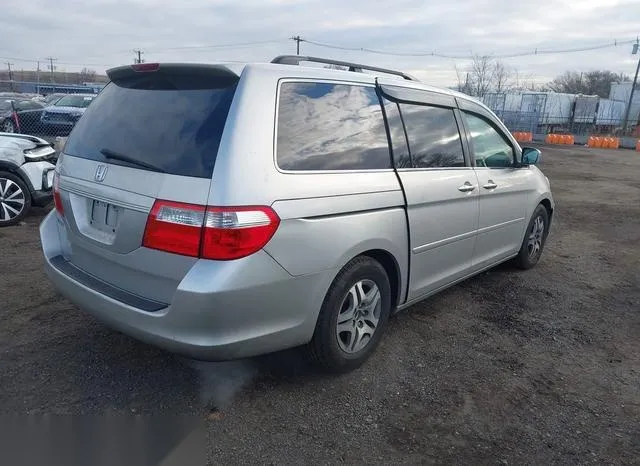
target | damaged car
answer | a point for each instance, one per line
(27, 165)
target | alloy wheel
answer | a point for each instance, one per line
(12, 200)
(536, 236)
(7, 126)
(359, 316)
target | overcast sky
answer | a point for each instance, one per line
(102, 33)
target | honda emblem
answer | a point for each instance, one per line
(101, 172)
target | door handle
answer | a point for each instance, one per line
(466, 187)
(490, 185)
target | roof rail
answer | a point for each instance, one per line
(296, 59)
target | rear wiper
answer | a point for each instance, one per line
(109, 154)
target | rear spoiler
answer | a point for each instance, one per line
(224, 75)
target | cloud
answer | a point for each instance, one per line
(103, 33)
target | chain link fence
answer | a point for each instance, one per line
(542, 113)
(52, 112)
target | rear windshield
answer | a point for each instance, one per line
(170, 123)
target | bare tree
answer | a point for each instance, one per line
(464, 84)
(502, 77)
(486, 74)
(481, 74)
(589, 83)
(86, 75)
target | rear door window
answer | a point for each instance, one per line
(327, 126)
(397, 135)
(434, 138)
(168, 123)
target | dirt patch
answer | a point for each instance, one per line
(509, 367)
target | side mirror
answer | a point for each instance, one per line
(531, 156)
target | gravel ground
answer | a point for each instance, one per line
(509, 367)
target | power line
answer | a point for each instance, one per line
(299, 40)
(218, 46)
(470, 57)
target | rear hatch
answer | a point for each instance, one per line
(152, 133)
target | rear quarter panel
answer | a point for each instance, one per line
(326, 218)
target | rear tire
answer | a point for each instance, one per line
(353, 316)
(15, 200)
(534, 239)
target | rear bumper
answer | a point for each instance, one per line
(41, 198)
(220, 311)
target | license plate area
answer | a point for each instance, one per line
(104, 216)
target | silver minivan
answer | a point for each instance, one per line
(227, 211)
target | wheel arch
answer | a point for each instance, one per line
(546, 202)
(15, 170)
(391, 266)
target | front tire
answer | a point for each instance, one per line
(534, 239)
(8, 126)
(15, 200)
(353, 316)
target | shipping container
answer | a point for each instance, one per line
(610, 112)
(585, 109)
(550, 108)
(621, 92)
(503, 101)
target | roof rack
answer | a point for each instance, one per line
(296, 59)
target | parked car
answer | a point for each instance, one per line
(60, 118)
(26, 175)
(20, 115)
(226, 211)
(53, 98)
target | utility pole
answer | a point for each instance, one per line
(52, 68)
(10, 76)
(138, 58)
(298, 39)
(634, 51)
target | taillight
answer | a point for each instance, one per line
(235, 232)
(218, 233)
(57, 199)
(174, 227)
(146, 67)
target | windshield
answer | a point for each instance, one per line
(80, 101)
(5, 105)
(162, 122)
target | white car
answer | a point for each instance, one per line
(26, 175)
